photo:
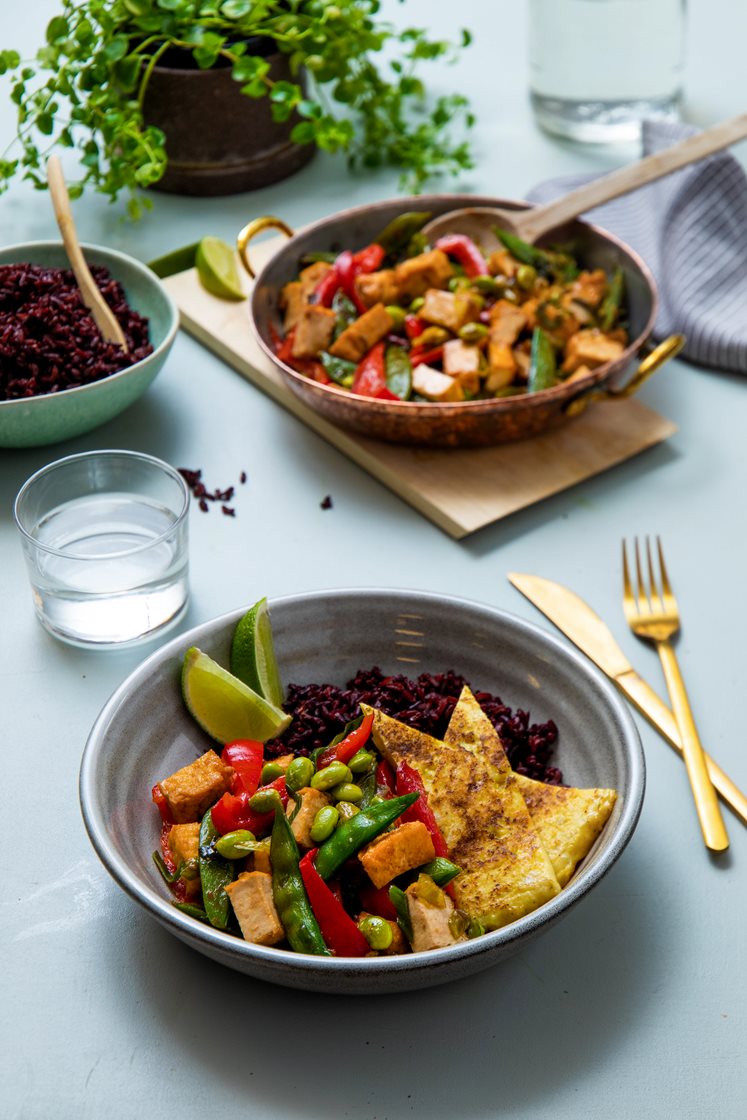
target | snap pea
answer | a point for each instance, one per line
(324, 823)
(299, 773)
(377, 932)
(339, 369)
(368, 785)
(331, 776)
(396, 235)
(312, 258)
(186, 870)
(193, 911)
(350, 836)
(345, 310)
(610, 308)
(289, 894)
(441, 870)
(542, 368)
(270, 771)
(398, 372)
(215, 875)
(398, 899)
(560, 265)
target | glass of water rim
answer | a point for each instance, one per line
(105, 538)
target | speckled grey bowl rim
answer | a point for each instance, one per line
(114, 255)
(336, 971)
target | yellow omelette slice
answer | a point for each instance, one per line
(567, 820)
(506, 872)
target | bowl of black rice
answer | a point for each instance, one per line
(408, 652)
(58, 377)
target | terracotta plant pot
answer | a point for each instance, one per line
(218, 140)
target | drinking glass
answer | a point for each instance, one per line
(599, 67)
(104, 536)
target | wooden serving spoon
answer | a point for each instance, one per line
(531, 224)
(102, 314)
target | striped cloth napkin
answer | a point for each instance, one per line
(691, 229)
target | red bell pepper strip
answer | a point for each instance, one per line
(370, 258)
(377, 901)
(408, 780)
(284, 347)
(347, 271)
(327, 287)
(232, 811)
(414, 326)
(421, 357)
(246, 756)
(384, 779)
(347, 747)
(466, 252)
(162, 804)
(338, 929)
(370, 374)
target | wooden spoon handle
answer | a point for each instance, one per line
(531, 224)
(102, 314)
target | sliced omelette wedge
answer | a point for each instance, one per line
(506, 872)
(567, 820)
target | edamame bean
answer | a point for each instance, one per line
(347, 791)
(433, 336)
(324, 823)
(397, 315)
(346, 810)
(473, 332)
(270, 771)
(526, 276)
(330, 776)
(299, 774)
(237, 844)
(486, 285)
(416, 304)
(377, 932)
(265, 801)
(360, 762)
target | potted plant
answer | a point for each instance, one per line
(118, 80)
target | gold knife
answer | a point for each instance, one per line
(584, 627)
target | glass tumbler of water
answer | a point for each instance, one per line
(104, 536)
(599, 67)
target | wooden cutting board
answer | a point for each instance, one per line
(461, 490)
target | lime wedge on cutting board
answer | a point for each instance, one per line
(253, 654)
(225, 707)
(217, 269)
(179, 260)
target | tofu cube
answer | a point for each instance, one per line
(184, 843)
(427, 270)
(501, 263)
(357, 339)
(295, 296)
(314, 330)
(590, 348)
(430, 924)
(436, 386)
(254, 907)
(193, 789)
(312, 800)
(460, 357)
(389, 855)
(501, 360)
(507, 321)
(377, 287)
(450, 309)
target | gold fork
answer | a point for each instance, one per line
(654, 615)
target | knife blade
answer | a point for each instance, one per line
(585, 628)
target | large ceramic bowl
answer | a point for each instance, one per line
(144, 733)
(54, 417)
(466, 423)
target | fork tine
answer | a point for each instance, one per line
(644, 606)
(656, 602)
(666, 588)
(628, 596)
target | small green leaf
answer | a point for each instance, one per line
(57, 28)
(235, 9)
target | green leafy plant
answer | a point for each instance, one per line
(86, 86)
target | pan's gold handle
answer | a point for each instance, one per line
(250, 230)
(667, 349)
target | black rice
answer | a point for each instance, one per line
(48, 339)
(320, 711)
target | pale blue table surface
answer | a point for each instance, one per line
(635, 1005)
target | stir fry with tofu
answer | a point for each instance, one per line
(386, 841)
(403, 320)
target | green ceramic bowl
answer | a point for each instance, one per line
(59, 416)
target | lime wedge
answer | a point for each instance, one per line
(179, 260)
(217, 270)
(224, 706)
(253, 654)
